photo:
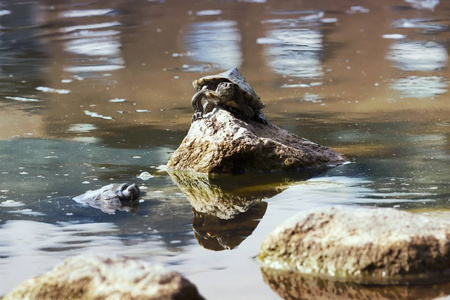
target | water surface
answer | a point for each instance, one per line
(98, 92)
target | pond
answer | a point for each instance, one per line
(98, 92)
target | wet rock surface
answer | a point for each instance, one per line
(220, 143)
(106, 277)
(365, 245)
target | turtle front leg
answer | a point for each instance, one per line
(196, 103)
(211, 98)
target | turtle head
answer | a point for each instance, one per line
(225, 90)
(127, 192)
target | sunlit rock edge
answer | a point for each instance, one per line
(106, 277)
(363, 245)
(220, 143)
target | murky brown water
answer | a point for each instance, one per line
(94, 92)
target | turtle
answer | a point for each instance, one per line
(111, 197)
(228, 90)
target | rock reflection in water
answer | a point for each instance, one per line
(222, 217)
(289, 285)
(228, 209)
(215, 199)
(219, 215)
(217, 234)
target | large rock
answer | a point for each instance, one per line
(364, 245)
(220, 143)
(103, 277)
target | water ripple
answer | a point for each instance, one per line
(295, 52)
(420, 87)
(217, 43)
(418, 56)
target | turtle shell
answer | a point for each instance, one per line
(232, 75)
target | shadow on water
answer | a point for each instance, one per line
(289, 285)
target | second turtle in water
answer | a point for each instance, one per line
(229, 90)
(123, 196)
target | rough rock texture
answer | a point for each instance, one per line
(102, 277)
(291, 285)
(364, 245)
(220, 143)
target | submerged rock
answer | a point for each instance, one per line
(220, 143)
(365, 245)
(106, 277)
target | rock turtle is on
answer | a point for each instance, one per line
(228, 90)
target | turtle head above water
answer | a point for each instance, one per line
(127, 192)
(225, 90)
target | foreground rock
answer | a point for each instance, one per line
(364, 245)
(102, 277)
(220, 143)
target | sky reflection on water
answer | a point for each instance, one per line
(215, 43)
(418, 56)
